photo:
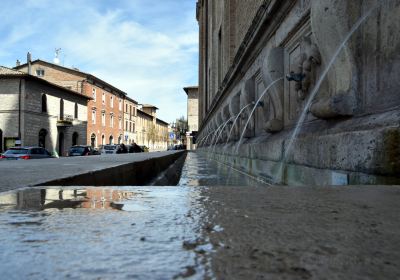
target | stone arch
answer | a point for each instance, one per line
(42, 138)
(111, 140)
(103, 140)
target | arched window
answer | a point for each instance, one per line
(111, 140)
(93, 140)
(75, 139)
(103, 140)
(61, 109)
(44, 103)
(42, 138)
(76, 111)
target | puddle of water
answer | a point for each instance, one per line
(100, 233)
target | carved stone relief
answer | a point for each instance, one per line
(273, 69)
(331, 21)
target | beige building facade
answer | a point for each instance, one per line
(39, 113)
(130, 116)
(192, 116)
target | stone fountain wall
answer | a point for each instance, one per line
(351, 133)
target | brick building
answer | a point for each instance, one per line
(105, 112)
(40, 113)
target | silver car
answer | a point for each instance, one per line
(26, 153)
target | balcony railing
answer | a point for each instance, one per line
(65, 120)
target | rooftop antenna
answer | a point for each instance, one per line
(56, 58)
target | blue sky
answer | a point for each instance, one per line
(148, 48)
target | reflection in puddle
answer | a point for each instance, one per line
(59, 198)
(58, 233)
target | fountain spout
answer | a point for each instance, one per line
(297, 77)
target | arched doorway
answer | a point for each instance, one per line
(103, 142)
(75, 138)
(60, 144)
(42, 138)
(111, 140)
(1, 141)
(93, 140)
(120, 139)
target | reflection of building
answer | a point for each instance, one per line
(66, 198)
(40, 113)
(192, 116)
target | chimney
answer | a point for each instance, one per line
(18, 62)
(29, 60)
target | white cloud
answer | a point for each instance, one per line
(152, 60)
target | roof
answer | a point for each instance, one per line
(149, 106)
(131, 100)
(158, 120)
(187, 89)
(88, 76)
(144, 113)
(6, 72)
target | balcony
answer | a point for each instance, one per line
(65, 120)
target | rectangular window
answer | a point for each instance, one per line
(103, 119)
(104, 98)
(94, 94)
(126, 125)
(130, 127)
(111, 121)
(93, 116)
(126, 108)
(112, 101)
(40, 72)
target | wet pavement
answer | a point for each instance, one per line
(205, 228)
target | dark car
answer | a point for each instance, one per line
(134, 148)
(81, 150)
(16, 153)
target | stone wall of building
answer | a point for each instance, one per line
(34, 118)
(350, 128)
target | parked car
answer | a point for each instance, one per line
(134, 148)
(16, 153)
(109, 149)
(144, 148)
(81, 150)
